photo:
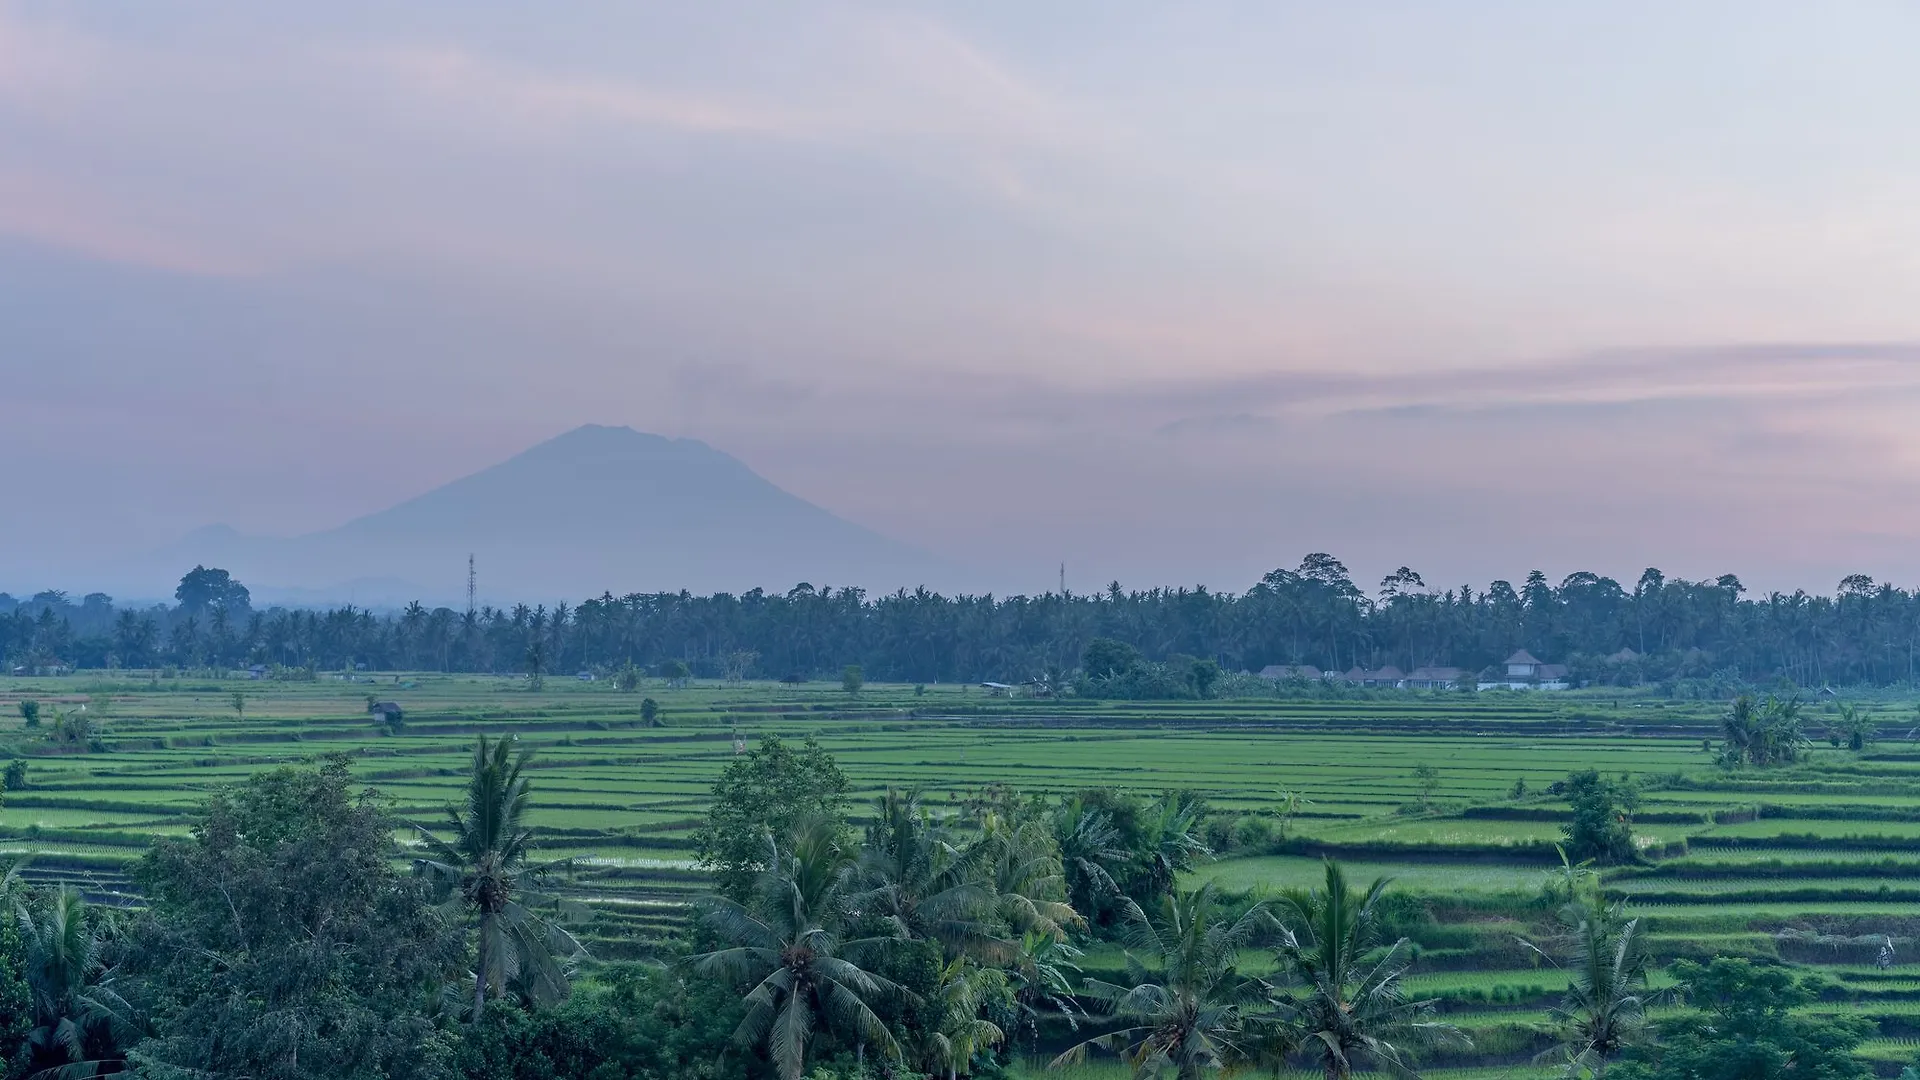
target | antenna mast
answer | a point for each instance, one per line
(1063, 581)
(470, 583)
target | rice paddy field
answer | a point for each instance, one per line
(1814, 866)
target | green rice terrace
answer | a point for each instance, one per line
(1815, 865)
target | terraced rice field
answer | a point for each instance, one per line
(1811, 867)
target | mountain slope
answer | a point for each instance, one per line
(596, 509)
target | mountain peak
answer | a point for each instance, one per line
(594, 509)
(619, 439)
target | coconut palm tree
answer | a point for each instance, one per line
(485, 869)
(958, 1029)
(1041, 974)
(1172, 827)
(536, 658)
(1090, 851)
(791, 950)
(1604, 1010)
(1762, 735)
(1021, 866)
(1344, 1002)
(79, 1019)
(912, 873)
(1190, 1009)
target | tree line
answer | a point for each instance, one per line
(1659, 629)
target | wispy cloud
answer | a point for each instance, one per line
(524, 97)
(62, 214)
(1801, 372)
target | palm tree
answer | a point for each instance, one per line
(1090, 850)
(1346, 1001)
(78, 1017)
(792, 951)
(1172, 825)
(485, 868)
(536, 658)
(914, 875)
(1022, 867)
(1190, 1010)
(1604, 1009)
(1040, 973)
(958, 1029)
(1762, 735)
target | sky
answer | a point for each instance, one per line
(1171, 293)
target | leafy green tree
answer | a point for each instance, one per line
(485, 870)
(627, 679)
(1601, 826)
(1203, 677)
(649, 712)
(1744, 1027)
(1428, 778)
(239, 703)
(768, 790)
(206, 589)
(1105, 658)
(281, 942)
(794, 954)
(851, 680)
(1343, 1001)
(30, 713)
(1190, 1010)
(15, 777)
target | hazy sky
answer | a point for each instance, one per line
(1173, 292)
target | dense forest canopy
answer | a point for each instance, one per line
(1315, 614)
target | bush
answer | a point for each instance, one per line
(633, 1023)
(1253, 832)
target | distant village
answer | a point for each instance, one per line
(1524, 672)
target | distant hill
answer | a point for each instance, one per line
(597, 509)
